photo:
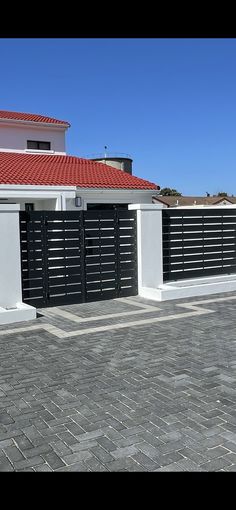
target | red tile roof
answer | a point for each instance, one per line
(50, 170)
(32, 117)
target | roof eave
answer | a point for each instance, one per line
(35, 123)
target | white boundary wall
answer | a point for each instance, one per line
(11, 307)
(150, 261)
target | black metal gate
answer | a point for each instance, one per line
(77, 256)
(198, 242)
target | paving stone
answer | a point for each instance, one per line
(67, 438)
(77, 457)
(53, 460)
(123, 452)
(102, 454)
(5, 464)
(93, 464)
(216, 464)
(145, 461)
(33, 461)
(156, 396)
(216, 452)
(13, 454)
(7, 442)
(125, 464)
(38, 450)
(43, 467)
(106, 443)
(76, 467)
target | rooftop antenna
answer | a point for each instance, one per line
(105, 154)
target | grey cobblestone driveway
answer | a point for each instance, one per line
(121, 385)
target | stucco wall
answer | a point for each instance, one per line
(15, 138)
(109, 197)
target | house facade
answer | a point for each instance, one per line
(191, 201)
(37, 173)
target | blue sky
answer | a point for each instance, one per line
(169, 103)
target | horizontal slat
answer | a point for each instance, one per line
(64, 271)
(64, 225)
(60, 215)
(95, 259)
(104, 275)
(63, 263)
(223, 235)
(197, 242)
(100, 296)
(31, 264)
(130, 257)
(103, 250)
(197, 212)
(101, 285)
(32, 273)
(39, 302)
(184, 250)
(66, 299)
(126, 265)
(75, 243)
(63, 252)
(200, 228)
(197, 265)
(64, 289)
(99, 233)
(99, 267)
(128, 272)
(62, 235)
(64, 280)
(196, 273)
(124, 214)
(95, 242)
(32, 293)
(31, 236)
(90, 215)
(131, 291)
(32, 283)
(201, 220)
(199, 256)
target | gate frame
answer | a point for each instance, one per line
(92, 280)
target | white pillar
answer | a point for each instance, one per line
(11, 307)
(149, 248)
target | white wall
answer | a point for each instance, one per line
(149, 245)
(10, 270)
(15, 138)
(109, 196)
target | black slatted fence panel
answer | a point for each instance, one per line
(198, 243)
(77, 256)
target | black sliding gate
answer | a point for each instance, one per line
(77, 256)
(198, 242)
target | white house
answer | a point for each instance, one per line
(36, 172)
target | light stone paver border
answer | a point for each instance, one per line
(194, 308)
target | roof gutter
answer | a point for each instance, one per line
(110, 190)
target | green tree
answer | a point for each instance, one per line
(222, 194)
(170, 192)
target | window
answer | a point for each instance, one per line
(41, 146)
(29, 207)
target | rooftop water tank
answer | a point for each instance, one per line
(120, 161)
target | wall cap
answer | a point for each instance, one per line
(146, 207)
